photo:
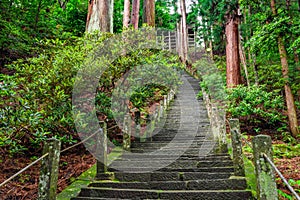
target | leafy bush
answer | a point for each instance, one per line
(37, 102)
(256, 104)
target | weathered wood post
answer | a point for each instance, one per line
(168, 99)
(161, 108)
(137, 120)
(170, 46)
(265, 176)
(165, 102)
(101, 150)
(127, 133)
(222, 129)
(237, 150)
(49, 170)
(214, 122)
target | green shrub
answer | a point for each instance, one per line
(256, 104)
(36, 101)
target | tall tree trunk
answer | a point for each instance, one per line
(126, 16)
(233, 71)
(184, 40)
(178, 39)
(255, 69)
(291, 110)
(111, 16)
(149, 12)
(98, 17)
(243, 59)
(135, 13)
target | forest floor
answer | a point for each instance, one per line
(73, 163)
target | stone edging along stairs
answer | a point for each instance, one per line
(179, 162)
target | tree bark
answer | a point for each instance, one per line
(184, 38)
(135, 14)
(233, 71)
(98, 17)
(291, 109)
(111, 16)
(126, 16)
(243, 59)
(149, 12)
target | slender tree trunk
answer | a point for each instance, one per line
(126, 16)
(178, 41)
(291, 110)
(211, 49)
(233, 71)
(210, 43)
(255, 69)
(98, 17)
(252, 56)
(111, 16)
(184, 31)
(135, 14)
(243, 59)
(149, 12)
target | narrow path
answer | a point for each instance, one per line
(180, 161)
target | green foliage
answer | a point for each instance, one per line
(256, 104)
(286, 150)
(37, 102)
(212, 78)
(25, 23)
(163, 16)
(294, 184)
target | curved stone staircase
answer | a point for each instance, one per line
(180, 161)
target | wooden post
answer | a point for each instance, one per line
(237, 150)
(222, 129)
(49, 170)
(165, 102)
(127, 133)
(147, 131)
(170, 46)
(101, 151)
(214, 122)
(161, 108)
(265, 176)
(168, 99)
(137, 120)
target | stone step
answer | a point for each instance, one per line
(170, 138)
(127, 155)
(176, 164)
(168, 169)
(173, 151)
(169, 176)
(168, 157)
(215, 184)
(164, 144)
(165, 194)
(189, 168)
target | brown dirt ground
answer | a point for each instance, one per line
(72, 164)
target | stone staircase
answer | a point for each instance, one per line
(180, 161)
